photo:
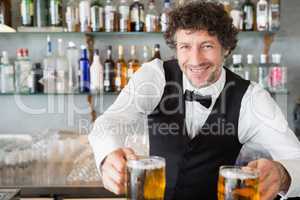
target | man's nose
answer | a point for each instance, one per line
(196, 56)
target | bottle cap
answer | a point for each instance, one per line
(96, 52)
(71, 44)
(276, 58)
(237, 58)
(250, 59)
(4, 58)
(263, 58)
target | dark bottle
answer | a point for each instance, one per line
(27, 12)
(248, 15)
(156, 53)
(84, 71)
(109, 71)
(37, 75)
(137, 17)
(55, 12)
(5, 12)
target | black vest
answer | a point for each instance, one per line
(192, 164)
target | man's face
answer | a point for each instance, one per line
(200, 56)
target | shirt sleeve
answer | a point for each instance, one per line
(128, 114)
(262, 123)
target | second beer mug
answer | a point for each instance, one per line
(236, 183)
(146, 179)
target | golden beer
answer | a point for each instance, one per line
(236, 183)
(146, 178)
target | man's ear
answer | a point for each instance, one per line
(226, 53)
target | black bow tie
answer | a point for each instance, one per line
(203, 100)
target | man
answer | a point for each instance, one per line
(198, 115)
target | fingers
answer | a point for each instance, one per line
(114, 170)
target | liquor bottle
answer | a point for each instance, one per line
(62, 67)
(263, 71)
(156, 52)
(133, 63)
(248, 15)
(237, 15)
(23, 71)
(277, 74)
(145, 55)
(152, 18)
(96, 72)
(227, 5)
(37, 75)
(7, 74)
(74, 71)
(120, 70)
(164, 18)
(97, 16)
(237, 66)
(110, 17)
(250, 69)
(262, 15)
(109, 71)
(49, 73)
(85, 15)
(5, 12)
(85, 71)
(55, 12)
(72, 16)
(274, 15)
(27, 9)
(137, 18)
(124, 22)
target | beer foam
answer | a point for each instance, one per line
(147, 163)
(238, 174)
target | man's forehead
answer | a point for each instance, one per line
(195, 36)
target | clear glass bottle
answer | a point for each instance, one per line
(55, 12)
(152, 18)
(96, 73)
(72, 16)
(85, 15)
(23, 71)
(262, 15)
(248, 15)
(84, 65)
(97, 16)
(7, 74)
(137, 17)
(74, 72)
(237, 66)
(41, 15)
(109, 71)
(146, 56)
(124, 23)
(164, 18)
(237, 15)
(274, 15)
(27, 12)
(263, 71)
(277, 74)
(49, 73)
(62, 69)
(110, 17)
(250, 69)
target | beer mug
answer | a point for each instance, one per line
(237, 183)
(146, 179)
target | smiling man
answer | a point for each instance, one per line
(198, 115)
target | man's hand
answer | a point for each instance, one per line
(114, 170)
(273, 178)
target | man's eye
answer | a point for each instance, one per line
(207, 46)
(184, 47)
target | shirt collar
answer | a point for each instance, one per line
(214, 89)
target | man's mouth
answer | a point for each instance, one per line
(198, 69)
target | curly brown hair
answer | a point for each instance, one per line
(202, 15)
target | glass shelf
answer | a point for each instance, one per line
(58, 94)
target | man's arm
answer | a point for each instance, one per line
(128, 114)
(262, 123)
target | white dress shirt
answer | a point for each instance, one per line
(261, 121)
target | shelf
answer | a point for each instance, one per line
(60, 94)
